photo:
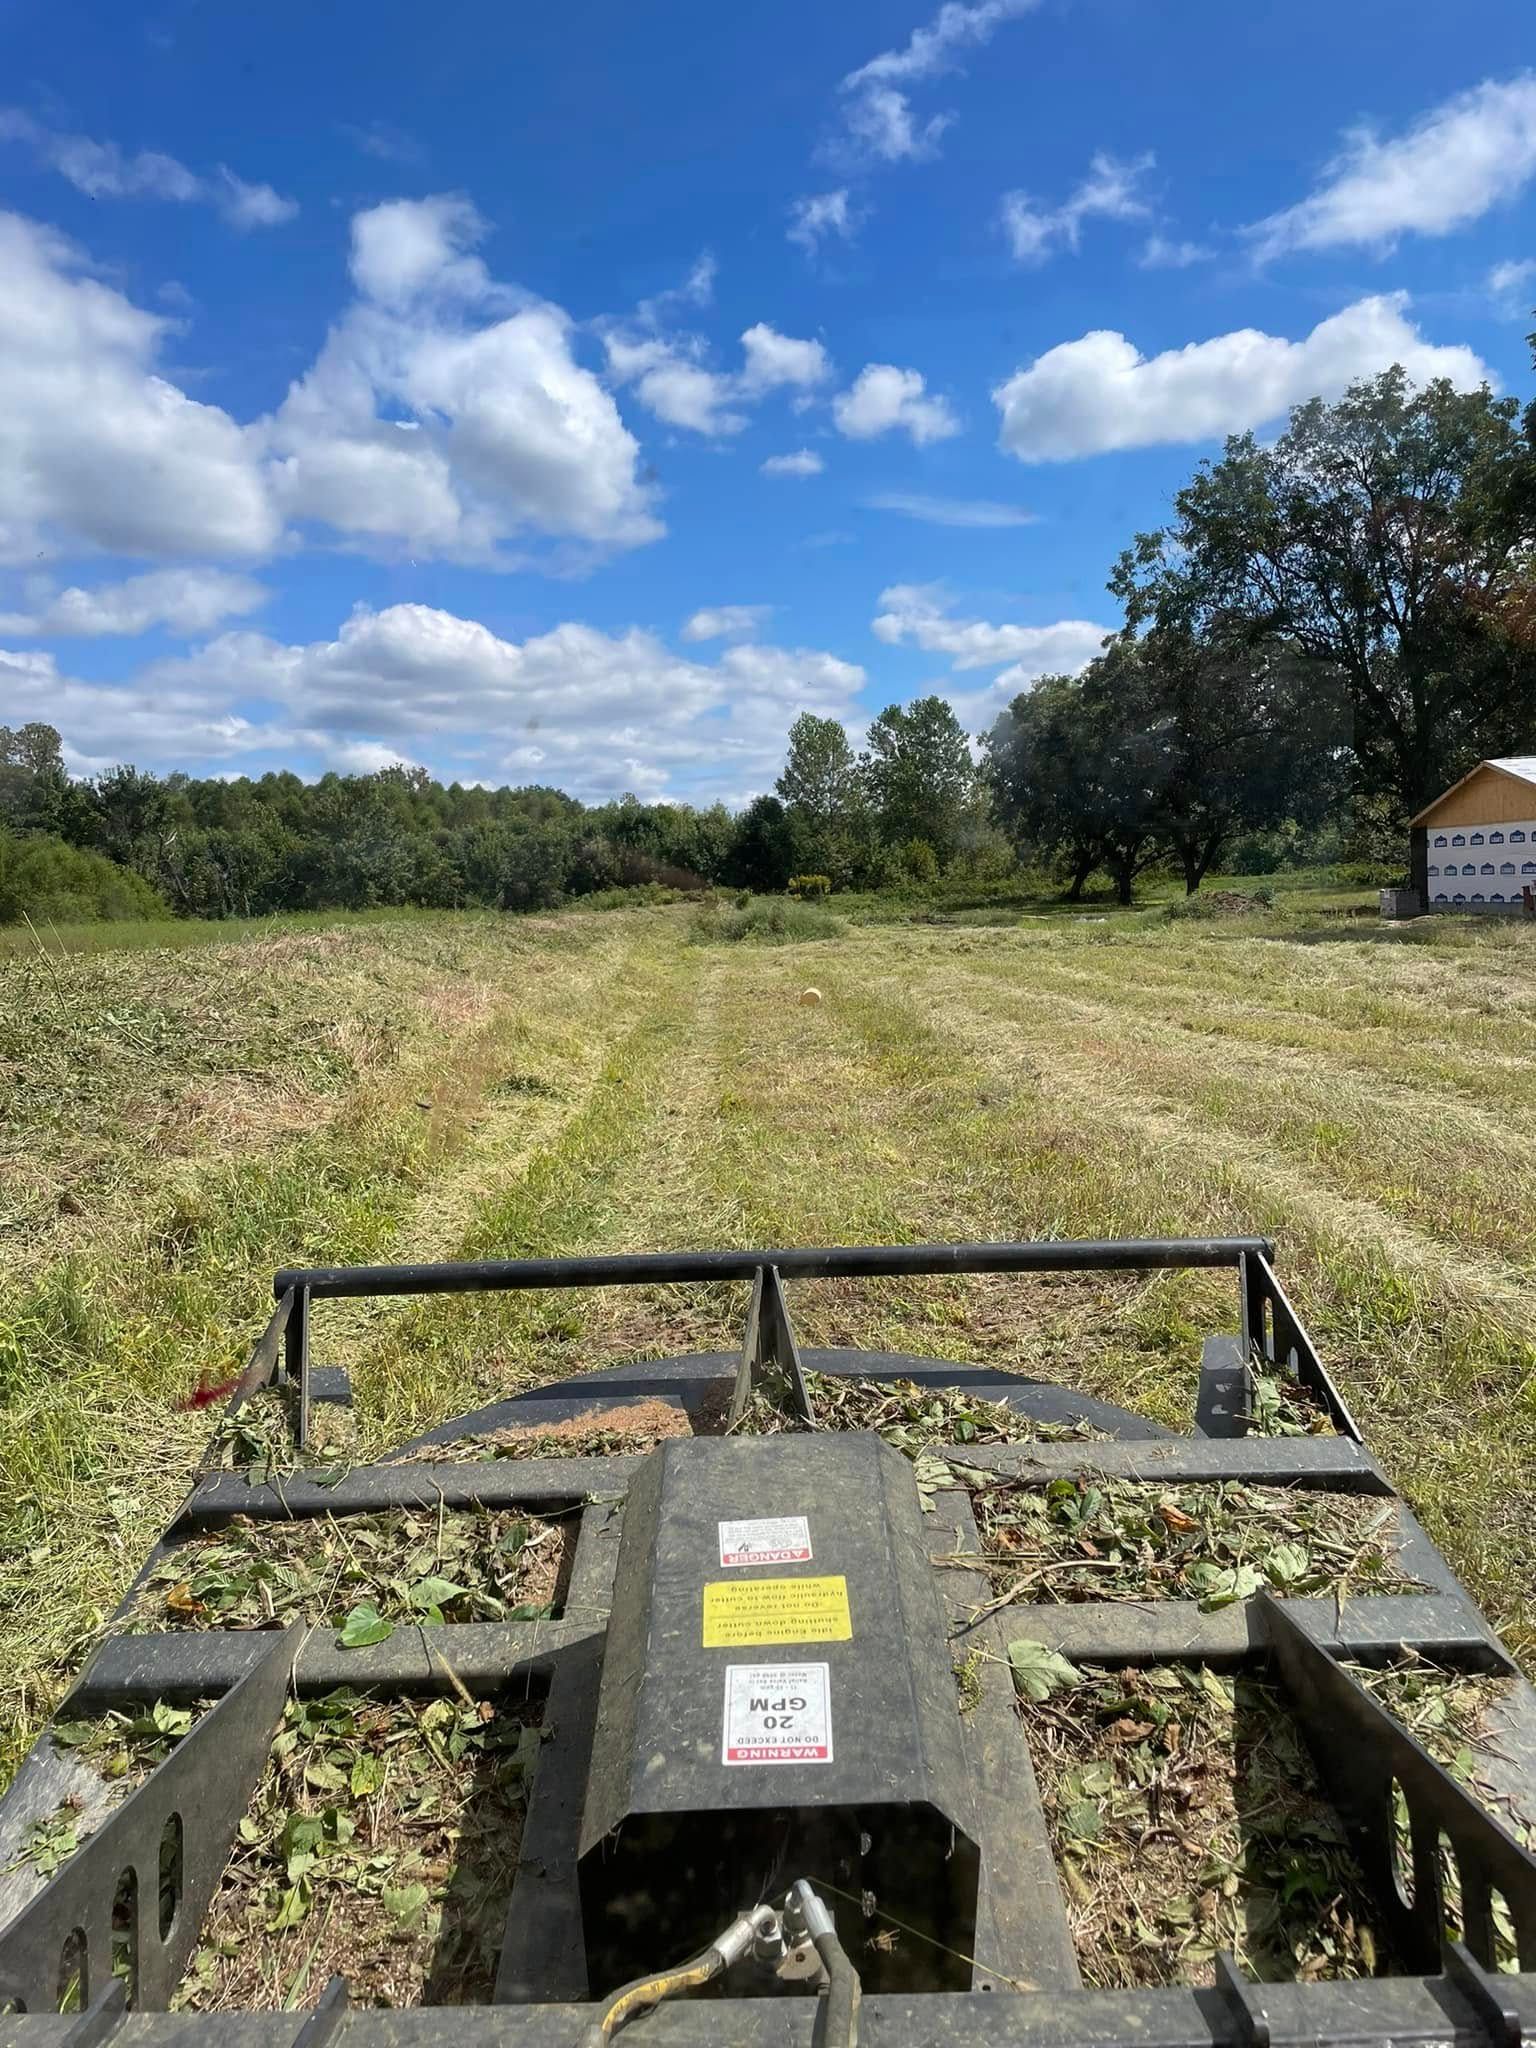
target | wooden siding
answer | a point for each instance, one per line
(1488, 797)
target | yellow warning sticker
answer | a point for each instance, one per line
(739, 1612)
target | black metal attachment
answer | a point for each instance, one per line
(769, 1351)
(1223, 1403)
(1273, 1334)
(850, 1262)
(1487, 1992)
(330, 2010)
(1249, 2016)
(1365, 1756)
(296, 1362)
(101, 2020)
(925, 1803)
(172, 1837)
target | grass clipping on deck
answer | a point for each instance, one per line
(909, 1417)
(381, 1843)
(1186, 1816)
(1085, 1539)
(362, 1573)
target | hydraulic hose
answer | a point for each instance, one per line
(840, 2012)
(644, 1992)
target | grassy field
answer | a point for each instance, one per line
(177, 1121)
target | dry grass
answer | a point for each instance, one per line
(1363, 1095)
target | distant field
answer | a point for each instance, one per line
(179, 1121)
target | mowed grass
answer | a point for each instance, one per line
(475, 1086)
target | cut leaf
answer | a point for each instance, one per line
(1039, 1671)
(362, 1626)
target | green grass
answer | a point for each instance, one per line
(483, 1086)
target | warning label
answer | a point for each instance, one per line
(739, 1612)
(777, 1714)
(775, 1539)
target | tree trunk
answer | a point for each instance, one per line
(1080, 873)
(1196, 856)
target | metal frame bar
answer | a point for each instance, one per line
(1274, 1334)
(1364, 1754)
(769, 1346)
(204, 1786)
(862, 1262)
(1410, 2012)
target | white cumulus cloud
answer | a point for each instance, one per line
(821, 214)
(800, 462)
(672, 378)
(1512, 287)
(774, 359)
(97, 448)
(1475, 151)
(1109, 192)
(592, 712)
(919, 613)
(448, 414)
(883, 399)
(185, 601)
(725, 621)
(1099, 393)
(104, 171)
(877, 113)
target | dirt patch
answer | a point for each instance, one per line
(620, 1432)
(1186, 1817)
(1081, 1539)
(361, 1573)
(381, 1843)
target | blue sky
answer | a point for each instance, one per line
(577, 395)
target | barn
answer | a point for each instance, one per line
(1474, 847)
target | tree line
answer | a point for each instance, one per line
(1335, 624)
(126, 842)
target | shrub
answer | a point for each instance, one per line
(810, 887)
(766, 921)
(43, 878)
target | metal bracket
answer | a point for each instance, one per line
(172, 1836)
(1364, 1754)
(96, 2026)
(296, 1363)
(330, 2010)
(769, 1348)
(1273, 1333)
(1484, 1992)
(1224, 1404)
(1249, 2016)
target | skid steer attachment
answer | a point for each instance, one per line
(785, 1696)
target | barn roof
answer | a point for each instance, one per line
(1522, 767)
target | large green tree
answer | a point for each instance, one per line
(1077, 774)
(920, 775)
(1243, 738)
(1379, 538)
